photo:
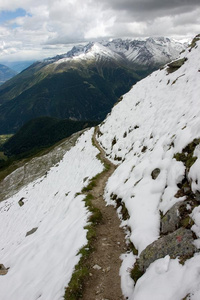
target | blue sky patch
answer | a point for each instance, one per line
(7, 15)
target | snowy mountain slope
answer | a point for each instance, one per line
(152, 123)
(144, 133)
(92, 51)
(147, 52)
(41, 264)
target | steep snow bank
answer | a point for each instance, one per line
(41, 264)
(153, 122)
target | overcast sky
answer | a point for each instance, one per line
(34, 29)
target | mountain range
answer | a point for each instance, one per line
(82, 84)
(152, 138)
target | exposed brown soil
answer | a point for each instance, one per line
(104, 281)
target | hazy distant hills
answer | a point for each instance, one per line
(18, 66)
(82, 84)
(6, 73)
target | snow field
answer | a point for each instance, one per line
(153, 122)
(41, 264)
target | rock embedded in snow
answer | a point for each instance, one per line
(171, 220)
(179, 243)
(177, 216)
(155, 173)
(3, 270)
(31, 231)
(21, 202)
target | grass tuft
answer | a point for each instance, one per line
(75, 288)
(76, 285)
(136, 273)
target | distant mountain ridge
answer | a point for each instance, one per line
(139, 52)
(82, 84)
(19, 66)
(6, 73)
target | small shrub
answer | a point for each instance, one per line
(136, 273)
(91, 233)
(125, 134)
(122, 205)
(194, 41)
(114, 141)
(88, 199)
(89, 187)
(96, 216)
(186, 156)
(132, 248)
(118, 158)
(144, 149)
(187, 222)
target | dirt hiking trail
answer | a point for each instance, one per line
(104, 282)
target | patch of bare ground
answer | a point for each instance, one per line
(104, 262)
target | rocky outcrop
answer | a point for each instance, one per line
(176, 244)
(177, 216)
(175, 226)
(175, 65)
(28, 171)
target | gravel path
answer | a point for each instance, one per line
(104, 282)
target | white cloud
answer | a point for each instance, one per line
(59, 22)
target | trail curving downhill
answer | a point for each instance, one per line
(104, 281)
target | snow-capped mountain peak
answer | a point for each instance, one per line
(92, 51)
(141, 52)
